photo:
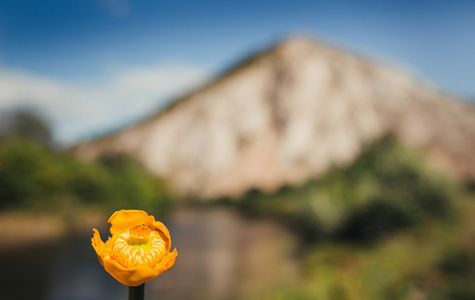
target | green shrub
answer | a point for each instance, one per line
(33, 175)
(28, 172)
(385, 189)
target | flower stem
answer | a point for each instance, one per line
(137, 292)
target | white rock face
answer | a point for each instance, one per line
(289, 114)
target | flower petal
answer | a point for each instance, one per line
(123, 220)
(132, 276)
(167, 262)
(165, 233)
(98, 245)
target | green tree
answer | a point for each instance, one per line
(26, 123)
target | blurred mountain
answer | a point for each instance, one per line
(291, 113)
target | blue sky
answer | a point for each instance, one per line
(92, 65)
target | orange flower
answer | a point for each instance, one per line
(138, 249)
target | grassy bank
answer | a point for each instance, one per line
(23, 229)
(433, 260)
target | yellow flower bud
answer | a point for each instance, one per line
(138, 249)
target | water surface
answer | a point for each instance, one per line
(221, 254)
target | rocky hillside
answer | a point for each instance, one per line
(289, 113)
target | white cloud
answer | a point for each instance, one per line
(77, 111)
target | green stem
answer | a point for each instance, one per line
(137, 292)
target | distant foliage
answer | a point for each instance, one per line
(457, 270)
(386, 189)
(26, 124)
(35, 176)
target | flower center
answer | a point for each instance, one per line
(139, 236)
(138, 245)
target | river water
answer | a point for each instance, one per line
(221, 255)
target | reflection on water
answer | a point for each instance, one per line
(66, 269)
(220, 255)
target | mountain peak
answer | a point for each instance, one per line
(290, 113)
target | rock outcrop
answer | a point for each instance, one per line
(291, 113)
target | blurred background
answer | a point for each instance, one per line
(304, 150)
